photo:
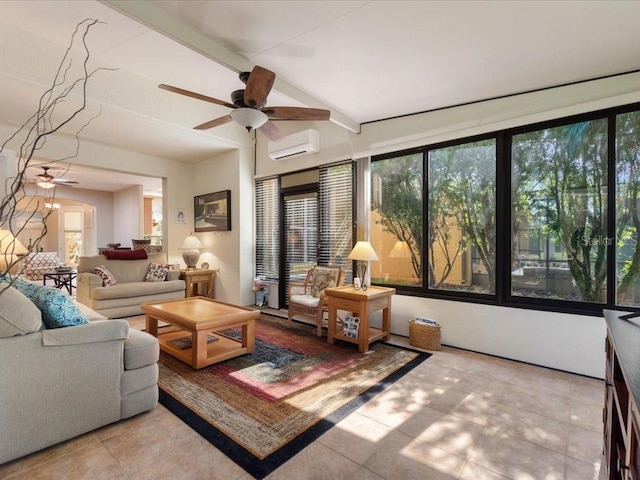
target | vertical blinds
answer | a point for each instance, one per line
(336, 217)
(268, 228)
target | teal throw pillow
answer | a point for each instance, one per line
(28, 289)
(58, 310)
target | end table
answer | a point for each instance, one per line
(361, 303)
(194, 278)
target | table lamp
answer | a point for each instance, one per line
(10, 249)
(191, 254)
(362, 252)
(400, 250)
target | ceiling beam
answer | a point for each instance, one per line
(159, 20)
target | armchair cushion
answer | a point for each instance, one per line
(18, 314)
(306, 300)
(323, 277)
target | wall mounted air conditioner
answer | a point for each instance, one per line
(301, 143)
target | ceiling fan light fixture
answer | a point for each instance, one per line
(250, 118)
(46, 185)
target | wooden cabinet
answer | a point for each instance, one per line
(622, 396)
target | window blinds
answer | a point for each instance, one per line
(268, 228)
(336, 217)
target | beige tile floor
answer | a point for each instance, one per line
(459, 415)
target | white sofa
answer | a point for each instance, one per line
(131, 290)
(56, 384)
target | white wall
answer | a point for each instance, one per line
(128, 215)
(233, 252)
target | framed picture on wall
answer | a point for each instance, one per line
(212, 212)
(181, 216)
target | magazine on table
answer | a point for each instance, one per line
(350, 326)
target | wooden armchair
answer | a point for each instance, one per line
(308, 299)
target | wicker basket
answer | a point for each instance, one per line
(423, 335)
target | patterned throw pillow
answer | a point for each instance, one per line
(107, 277)
(323, 277)
(28, 289)
(58, 310)
(157, 272)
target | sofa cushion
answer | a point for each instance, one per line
(157, 272)
(135, 289)
(58, 310)
(140, 350)
(18, 314)
(122, 270)
(105, 274)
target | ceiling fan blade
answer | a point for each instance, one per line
(297, 113)
(214, 123)
(197, 96)
(271, 131)
(65, 182)
(258, 87)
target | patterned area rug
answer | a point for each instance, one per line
(262, 408)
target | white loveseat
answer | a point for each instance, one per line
(130, 290)
(56, 384)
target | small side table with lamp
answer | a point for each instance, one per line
(193, 277)
(361, 300)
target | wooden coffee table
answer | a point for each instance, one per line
(199, 318)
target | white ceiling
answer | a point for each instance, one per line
(364, 60)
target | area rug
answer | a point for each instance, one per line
(262, 408)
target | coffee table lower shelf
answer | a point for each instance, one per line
(223, 348)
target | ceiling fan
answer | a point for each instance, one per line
(46, 180)
(249, 105)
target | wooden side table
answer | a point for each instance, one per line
(361, 303)
(194, 278)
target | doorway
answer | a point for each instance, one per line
(300, 236)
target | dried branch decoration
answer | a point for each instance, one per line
(70, 83)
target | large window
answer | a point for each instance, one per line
(461, 220)
(545, 216)
(396, 220)
(559, 213)
(627, 219)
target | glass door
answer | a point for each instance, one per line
(72, 234)
(300, 239)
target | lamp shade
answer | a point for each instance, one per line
(400, 250)
(363, 251)
(10, 249)
(191, 243)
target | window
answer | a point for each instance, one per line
(558, 211)
(627, 219)
(563, 236)
(461, 219)
(268, 228)
(336, 217)
(397, 220)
